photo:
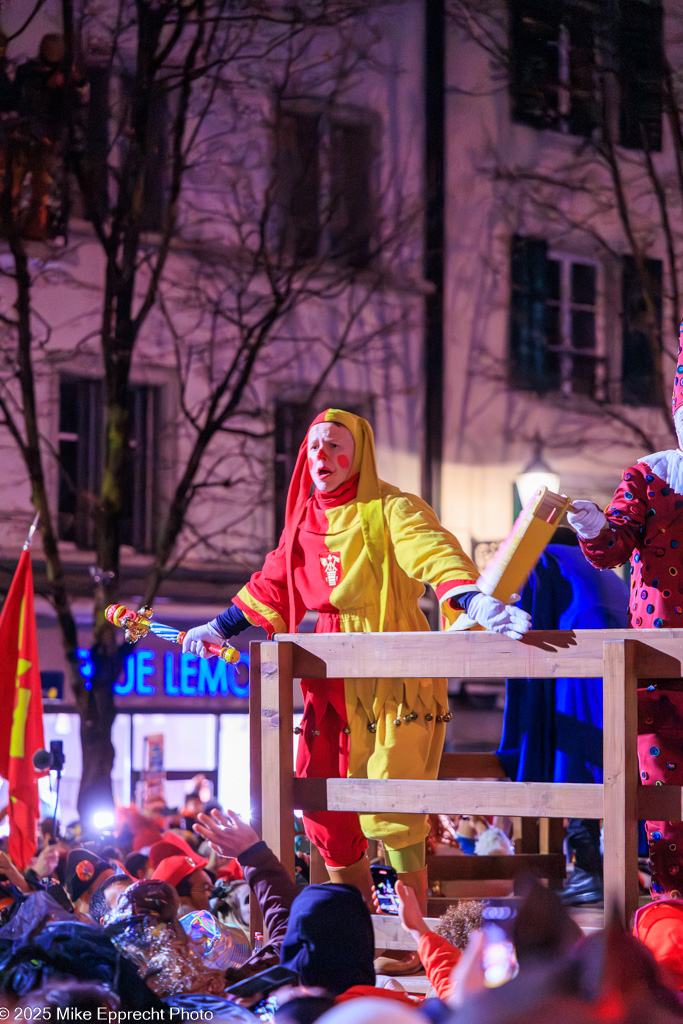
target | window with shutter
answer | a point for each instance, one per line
(553, 322)
(560, 49)
(81, 429)
(641, 331)
(324, 203)
(297, 166)
(640, 74)
(529, 370)
(553, 65)
(350, 197)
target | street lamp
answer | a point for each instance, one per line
(537, 474)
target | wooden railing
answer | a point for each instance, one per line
(621, 657)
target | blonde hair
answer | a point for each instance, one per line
(459, 921)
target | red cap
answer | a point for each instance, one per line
(660, 926)
(171, 845)
(145, 837)
(174, 869)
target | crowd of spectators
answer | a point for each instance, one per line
(153, 919)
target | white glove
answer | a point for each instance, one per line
(588, 520)
(198, 636)
(492, 614)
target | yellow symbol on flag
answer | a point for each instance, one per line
(17, 743)
(17, 740)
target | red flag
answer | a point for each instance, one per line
(21, 733)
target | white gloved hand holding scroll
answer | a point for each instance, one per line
(587, 519)
(497, 617)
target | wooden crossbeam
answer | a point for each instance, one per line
(525, 799)
(477, 654)
(452, 868)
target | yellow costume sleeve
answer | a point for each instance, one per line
(426, 551)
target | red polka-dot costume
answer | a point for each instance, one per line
(645, 527)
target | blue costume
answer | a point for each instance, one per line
(552, 728)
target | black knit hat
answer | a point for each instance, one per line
(82, 868)
(330, 941)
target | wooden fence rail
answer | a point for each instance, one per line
(623, 658)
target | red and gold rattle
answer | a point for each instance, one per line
(139, 624)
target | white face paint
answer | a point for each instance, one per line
(330, 455)
(678, 424)
(243, 895)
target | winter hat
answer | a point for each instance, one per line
(174, 869)
(677, 397)
(330, 941)
(172, 845)
(82, 868)
(660, 926)
(136, 864)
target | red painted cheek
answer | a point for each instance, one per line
(343, 461)
(310, 462)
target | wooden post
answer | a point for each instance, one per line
(620, 768)
(551, 835)
(318, 871)
(277, 759)
(530, 839)
(255, 798)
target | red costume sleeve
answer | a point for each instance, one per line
(626, 515)
(438, 958)
(264, 599)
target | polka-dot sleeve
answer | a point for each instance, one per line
(626, 516)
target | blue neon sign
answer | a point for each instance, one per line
(181, 675)
(85, 666)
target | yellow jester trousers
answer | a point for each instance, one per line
(363, 579)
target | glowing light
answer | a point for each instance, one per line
(103, 820)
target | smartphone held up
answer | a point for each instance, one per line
(499, 957)
(384, 879)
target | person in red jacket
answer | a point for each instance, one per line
(643, 525)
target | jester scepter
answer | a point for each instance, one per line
(139, 624)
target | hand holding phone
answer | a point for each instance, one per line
(499, 958)
(384, 879)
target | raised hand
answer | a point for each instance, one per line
(227, 833)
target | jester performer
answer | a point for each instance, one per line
(358, 551)
(643, 524)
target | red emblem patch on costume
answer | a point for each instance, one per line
(85, 870)
(330, 565)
